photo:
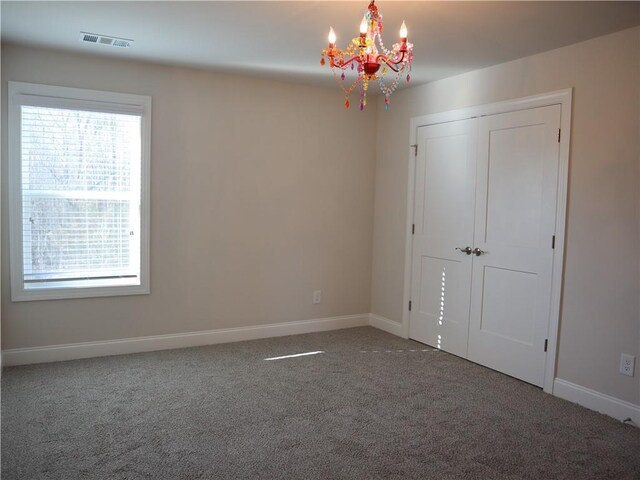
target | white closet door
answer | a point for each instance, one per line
(443, 213)
(515, 213)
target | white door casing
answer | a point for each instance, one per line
(444, 210)
(516, 196)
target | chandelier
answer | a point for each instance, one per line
(364, 57)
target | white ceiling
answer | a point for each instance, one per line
(283, 39)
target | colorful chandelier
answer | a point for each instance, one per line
(364, 57)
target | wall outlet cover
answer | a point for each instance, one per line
(317, 296)
(627, 364)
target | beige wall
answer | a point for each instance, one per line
(261, 193)
(600, 310)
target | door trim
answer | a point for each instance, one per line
(560, 97)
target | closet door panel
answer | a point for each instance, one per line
(443, 216)
(516, 196)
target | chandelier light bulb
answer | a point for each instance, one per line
(364, 26)
(332, 36)
(403, 30)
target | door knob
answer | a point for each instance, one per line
(466, 250)
(477, 252)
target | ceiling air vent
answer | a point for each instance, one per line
(87, 37)
(118, 42)
(105, 40)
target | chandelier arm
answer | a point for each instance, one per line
(391, 63)
(392, 66)
(342, 64)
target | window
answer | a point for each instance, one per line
(78, 192)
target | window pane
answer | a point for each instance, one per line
(70, 238)
(80, 194)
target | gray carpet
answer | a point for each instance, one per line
(372, 406)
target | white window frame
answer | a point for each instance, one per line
(47, 95)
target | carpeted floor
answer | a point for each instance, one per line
(372, 406)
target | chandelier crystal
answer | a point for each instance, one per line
(370, 59)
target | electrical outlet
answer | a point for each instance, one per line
(627, 364)
(317, 296)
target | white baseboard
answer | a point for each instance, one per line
(385, 324)
(57, 353)
(600, 402)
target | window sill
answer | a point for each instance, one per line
(80, 290)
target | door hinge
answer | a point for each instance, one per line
(409, 305)
(415, 150)
(553, 242)
(559, 133)
(546, 344)
(413, 229)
